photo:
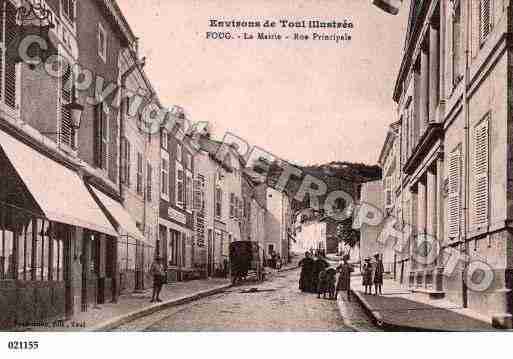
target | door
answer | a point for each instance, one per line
(210, 254)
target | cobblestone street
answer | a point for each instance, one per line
(277, 306)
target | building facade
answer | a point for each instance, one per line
(454, 105)
(60, 236)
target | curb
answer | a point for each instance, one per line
(125, 318)
(374, 314)
(288, 269)
(346, 321)
(380, 321)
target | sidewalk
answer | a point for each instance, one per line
(135, 305)
(400, 309)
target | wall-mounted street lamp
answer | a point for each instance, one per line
(36, 20)
(76, 110)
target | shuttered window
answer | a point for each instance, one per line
(125, 164)
(164, 177)
(480, 193)
(232, 205)
(8, 78)
(180, 186)
(189, 191)
(149, 181)
(139, 186)
(67, 132)
(485, 19)
(68, 8)
(454, 194)
(102, 136)
(457, 49)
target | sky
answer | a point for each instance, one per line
(308, 102)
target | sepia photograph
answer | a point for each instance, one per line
(255, 166)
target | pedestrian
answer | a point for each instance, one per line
(319, 266)
(344, 278)
(305, 278)
(157, 271)
(322, 284)
(378, 275)
(367, 276)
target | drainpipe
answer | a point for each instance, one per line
(467, 150)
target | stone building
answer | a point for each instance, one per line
(454, 105)
(60, 235)
(176, 220)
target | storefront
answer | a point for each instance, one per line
(134, 253)
(48, 222)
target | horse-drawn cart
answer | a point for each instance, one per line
(246, 258)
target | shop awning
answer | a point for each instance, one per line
(127, 226)
(59, 191)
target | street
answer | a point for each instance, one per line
(277, 306)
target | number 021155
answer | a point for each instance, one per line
(23, 345)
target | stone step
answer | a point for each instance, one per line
(432, 293)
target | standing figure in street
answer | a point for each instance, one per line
(157, 271)
(367, 276)
(305, 279)
(319, 266)
(378, 275)
(344, 278)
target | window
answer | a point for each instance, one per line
(139, 173)
(485, 19)
(199, 209)
(68, 9)
(239, 217)
(8, 74)
(454, 193)
(189, 191)
(31, 249)
(480, 193)
(164, 139)
(180, 190)
(457, 49)
(149, 176)
(102, 136)
(188, 161)
(179, 152)
(232, 205)
(67, 132)
(125, 165)
(219, 202)
(102, 43)
(164, 179)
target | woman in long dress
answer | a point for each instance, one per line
(344, 278)
(305, 279)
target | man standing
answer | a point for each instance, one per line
(157, 270)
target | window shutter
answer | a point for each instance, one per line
(454, 200)
(480, 169)
(122, 156)
(232, 205)
(128, 162)
(10, 65)
(67, 134)
(98, 113)
(2, 47)
(485, 19)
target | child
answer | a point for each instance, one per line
(367, 276)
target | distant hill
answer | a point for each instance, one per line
(340, 175)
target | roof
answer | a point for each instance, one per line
(119, 19)
(418, 9)
(389, 141)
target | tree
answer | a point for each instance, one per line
(347, 234)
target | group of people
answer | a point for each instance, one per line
(318, 277)
(372, 274)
